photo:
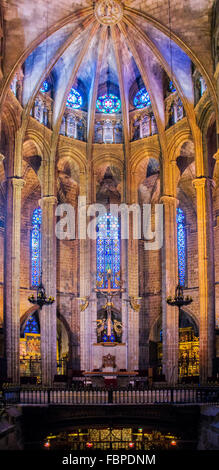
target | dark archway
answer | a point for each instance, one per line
(30, 352)
(188, 347)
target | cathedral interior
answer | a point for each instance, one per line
(107, 103)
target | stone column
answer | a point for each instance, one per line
(170, 315)
(12, 278)
(85, 319)
(216, 75)
(206, 275)
(48, 312)
(133, 285)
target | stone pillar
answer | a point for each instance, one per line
(216, 75)
(170, 315)
(133, 285)
(48, 313)
(206, 275)
(85, 319)
(12, 278)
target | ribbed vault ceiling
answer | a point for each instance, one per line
(97, 50)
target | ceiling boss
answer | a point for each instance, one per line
(108, 12)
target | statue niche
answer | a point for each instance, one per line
(107, 189)
(102, 327)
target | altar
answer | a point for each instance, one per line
(110, 372)
(109, 338)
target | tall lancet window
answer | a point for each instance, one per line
(36, 247)
(181, 246)
(108, 250)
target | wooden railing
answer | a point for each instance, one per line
(175, 396)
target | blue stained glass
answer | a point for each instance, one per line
(172, 88)
(108, 249)
(112, 338)
(181, 246)
(108, 104)
(32, 325)
(45, 87)
(74, 99)
(36, 246)
(142, 99)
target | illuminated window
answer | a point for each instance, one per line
(171, 87)
(108, 104)
(32, 325)
(203, 86)
(181, 246)
(45, 87)
(180, 111)
(108, 249)
(142, 99)
(74, 99)
(36, 246)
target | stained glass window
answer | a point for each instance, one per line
(142, 99)
(32, 325)
(36, 246)
(181, 246)
(74, 99)
(203, 85)
(171, 87)
(45, 87)
(108, 104)
(108, 249)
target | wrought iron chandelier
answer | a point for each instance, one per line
(179, 300)
(41, 298)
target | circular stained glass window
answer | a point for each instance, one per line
(74, 99)
(108, 104)
(142, 99)
(45, 87)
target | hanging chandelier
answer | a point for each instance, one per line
(179, 300)
(41, 298)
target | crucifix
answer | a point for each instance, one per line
(109, 293)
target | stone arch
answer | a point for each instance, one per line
(106, 159)
(69, 152)
(186, 318)
(192, 318)
(147, 180)
(40, 140)
(25, 317)
(176, 142)
(68, 180)
(149, 151)
(68, 331)
(32, 155)
(185, 159)
(155, 328)
(108, 178)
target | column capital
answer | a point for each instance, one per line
(47, 200)
(199, 182)
(170, 200)
(16, 181)
(202, 181)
